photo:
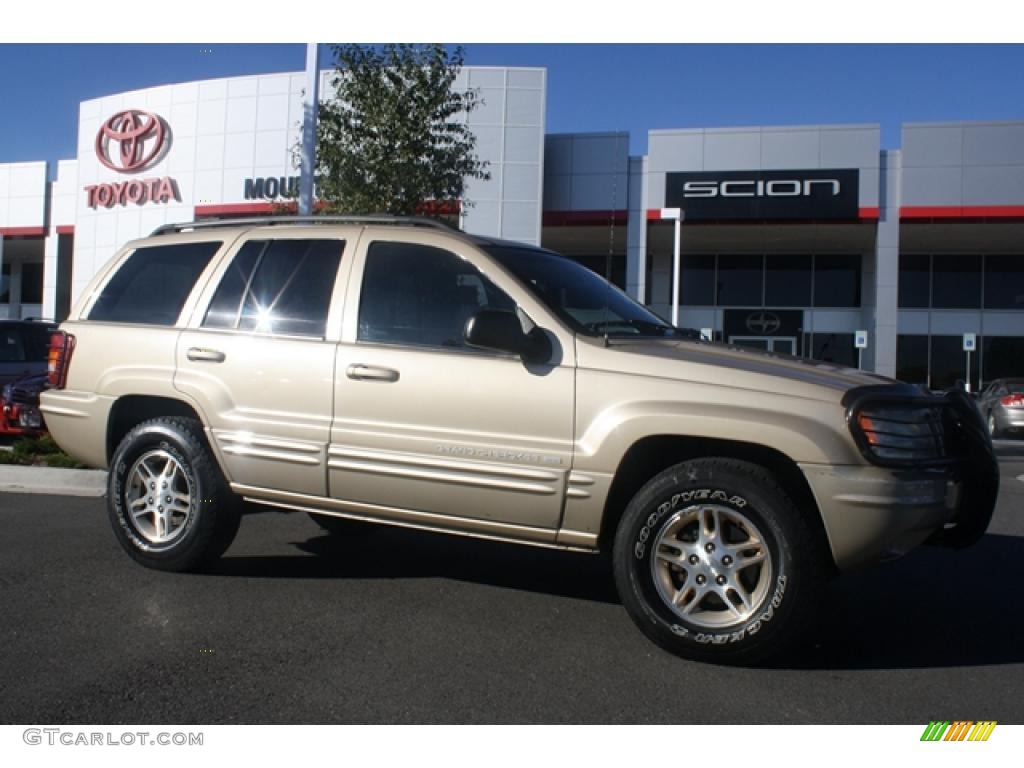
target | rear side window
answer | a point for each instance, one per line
(278, 286)
(153, 283)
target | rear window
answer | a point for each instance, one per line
(153, 283)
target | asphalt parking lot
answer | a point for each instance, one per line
(294, 626)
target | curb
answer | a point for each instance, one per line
(55, 482)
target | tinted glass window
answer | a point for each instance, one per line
(277, 286)
(152, 285)
(584, 301)
(12, 345)
(1003, 356)
(787, 280)
(835, 348)
(32, 283)
(949, 363)
(1004, 281)
(611, 269)
(740, 280)
(956, 281)
(697, 280)
(915, 277)
(422, 296)
(912, 359)
(837, 281)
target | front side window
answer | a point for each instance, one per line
(277, 286)
(422, 296)
(152, 284)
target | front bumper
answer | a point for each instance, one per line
(876, 512)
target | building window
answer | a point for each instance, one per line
(32, 282)
(912, 359)
(949, 363)
(956, 281)
(697, 280)
(741, 280)
(787, 280)
(834, 348)
(1002, 357)
(837, 281)
(1004, 282)
(915, 281)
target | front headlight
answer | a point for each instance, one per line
(901, 434)
(898, 425)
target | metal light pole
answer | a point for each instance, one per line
(309, 113)
(676, 215)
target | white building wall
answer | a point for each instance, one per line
(224, 131)
(22, 195)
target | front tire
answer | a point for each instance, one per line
(168, 503)
(714, 562)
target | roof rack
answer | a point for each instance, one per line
(414, 221)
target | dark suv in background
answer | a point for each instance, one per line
(23, 360)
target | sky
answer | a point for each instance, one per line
(591, 87)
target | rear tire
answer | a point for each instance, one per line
(713, 562)
(168, 502)
(993, 427)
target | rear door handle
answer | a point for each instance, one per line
(197, 355)
(361, 372)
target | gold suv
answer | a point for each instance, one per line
(388, 370)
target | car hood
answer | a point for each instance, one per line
(724, 365)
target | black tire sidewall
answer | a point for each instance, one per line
(726, 484)
(188, 549)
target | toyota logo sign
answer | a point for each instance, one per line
(141, 137)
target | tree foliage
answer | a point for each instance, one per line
(395, 137)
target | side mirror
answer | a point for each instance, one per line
(501, 331)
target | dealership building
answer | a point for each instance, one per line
(805, 240)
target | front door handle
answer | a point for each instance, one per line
(197, 355)
(361, 372)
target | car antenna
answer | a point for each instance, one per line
(611, 237)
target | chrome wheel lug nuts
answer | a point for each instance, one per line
(701, 580)
(726, 560)
(709, 547)
(694, 559)
(720, 581)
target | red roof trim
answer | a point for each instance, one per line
(23, 231)
(959, 212)
(66, 229)
(585, 218)
(234, 209)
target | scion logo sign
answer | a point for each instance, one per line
(811, 194)
(128, 142)
(763, 323)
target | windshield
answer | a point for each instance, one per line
(588, 303)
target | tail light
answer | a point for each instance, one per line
(59, 358)
(1013, 401)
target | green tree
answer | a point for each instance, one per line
(395, 136)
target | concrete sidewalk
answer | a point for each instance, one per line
(56, 482)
